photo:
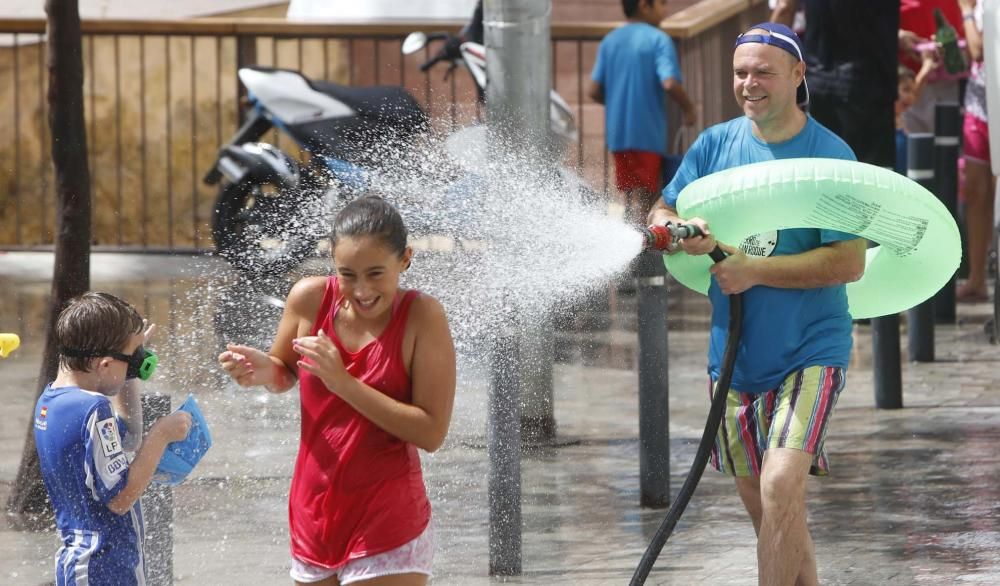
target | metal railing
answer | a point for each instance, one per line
(161, 96)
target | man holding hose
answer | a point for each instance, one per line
(796, 342)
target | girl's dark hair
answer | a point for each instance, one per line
(630, 7)
(94, 323)
(371, 216)
(905, 72)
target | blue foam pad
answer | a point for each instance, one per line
(180, 458)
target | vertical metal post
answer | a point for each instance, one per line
(246, 54)
(654, 388)
(920, 319)
(158, 508)
(885, 362)
(519, 69)
(538, 422)
(518, 66)
(504, 440)
(947, 129)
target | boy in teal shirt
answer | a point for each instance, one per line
(636, 69)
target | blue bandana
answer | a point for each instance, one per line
(784, 38)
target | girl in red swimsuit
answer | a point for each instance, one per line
(376, 371)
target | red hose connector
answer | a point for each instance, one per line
(656, 238)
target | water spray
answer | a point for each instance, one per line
(666, 238)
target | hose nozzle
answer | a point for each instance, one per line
(666, 237)
(657, 238)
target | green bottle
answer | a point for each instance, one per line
(947, 38)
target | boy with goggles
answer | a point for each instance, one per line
(82, 442)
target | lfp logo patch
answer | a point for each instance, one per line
(110, 442)
(40, 422)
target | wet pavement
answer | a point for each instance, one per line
(914, 495)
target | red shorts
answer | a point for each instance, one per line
(634, 169)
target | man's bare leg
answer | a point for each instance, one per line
(782, 518)
(784, 540)
(749, 489)
(979, 190)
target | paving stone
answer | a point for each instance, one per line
(913, 498)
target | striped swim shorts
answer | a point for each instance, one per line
(793, 415)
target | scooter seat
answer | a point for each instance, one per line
(389, 104)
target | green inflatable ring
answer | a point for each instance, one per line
(919, 242)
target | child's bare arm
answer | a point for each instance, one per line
(677, 93)
(276, 369)
(128, 406)
(433, 373)
(596, 91)
(973, 36)
(170, 428)
(928, 63)
(127, 402)
(784, 12)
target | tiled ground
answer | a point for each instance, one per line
(914, 497)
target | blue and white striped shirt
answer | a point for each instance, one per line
(83, 463)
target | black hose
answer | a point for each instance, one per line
(715, 414)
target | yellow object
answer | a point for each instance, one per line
(8, 343)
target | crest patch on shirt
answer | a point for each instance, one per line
(110, 442)
(762, 244)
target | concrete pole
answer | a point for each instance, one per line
(518, 70)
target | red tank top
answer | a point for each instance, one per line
(357, 490)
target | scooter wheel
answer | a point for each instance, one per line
(261, 230)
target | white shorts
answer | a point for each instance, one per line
(413, 557)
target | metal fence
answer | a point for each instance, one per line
(161, 97)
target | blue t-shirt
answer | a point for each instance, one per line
(83, 463)
(784, 330)
(632, 64)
